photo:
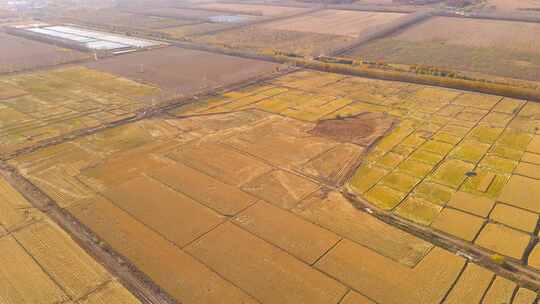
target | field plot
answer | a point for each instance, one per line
(184, 31)
(179, 70)
(171, 12)
(39, 106)
(313, 34)
(512, 6)
(501, 48)
(22, 54)
(40, 263)
(196, 21)
(199, 21)
(335, 22)
(117, 18)
(259, 39)
(190, 14)
(252, 9)
(242, 182)
(451, 159)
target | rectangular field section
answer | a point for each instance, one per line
(252, 9)
(335, 22)
(314, 34)
(501, 48)
(111, 17)
(183, 71)
(20, 54)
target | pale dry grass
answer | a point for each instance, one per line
(335, 22)
(518, 36)
(513, 5)
(252, 9)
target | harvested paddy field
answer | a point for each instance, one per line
(314, 34)
(171, 12)
(17, 54)
(200, 21)
(35, 107)
(500, 48)
(40, 263)
(335, 22)
(451, 158)
(207, 198)
(198, 28)
(188, 14)
(512, 6)
(116, 18)
(180, 71)
(259, 39)
(252, 9)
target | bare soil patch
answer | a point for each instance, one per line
(116, 18)
(532, 6)
(261, 39)
(21, 54)
(182, 71)
(492, 47)
(517, 36)
(252, 9)
(362, 129)
(182, 13)
(335, 22)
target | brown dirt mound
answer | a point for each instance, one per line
(362, 129)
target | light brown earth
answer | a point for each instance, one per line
(491, 47)
(476, 33)
(18, 53)
(360, 129)
(252, 9)
(335, 22)
(177, 13)
(261, 39)
(513, 6)
(179, 70)
(117, 18)
(199, 28)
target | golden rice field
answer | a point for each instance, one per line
(234, 173)
(40, 263)
(452, 158)
(43, 105)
